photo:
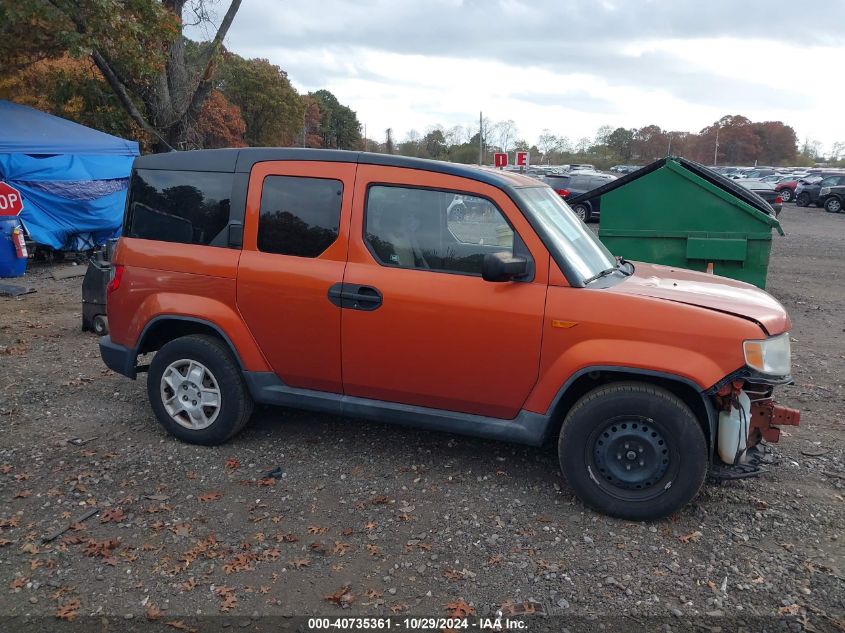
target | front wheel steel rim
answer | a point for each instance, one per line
(630, 454)
(834, 206)
(190, 394)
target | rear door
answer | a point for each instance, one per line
(296, 231)
(429, 330)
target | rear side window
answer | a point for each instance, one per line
(299, 216)
(190, 207)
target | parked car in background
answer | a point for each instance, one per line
(807, 194)
(765, 190)
(576, 183)
(832, 198)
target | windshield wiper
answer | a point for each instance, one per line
(604, 273)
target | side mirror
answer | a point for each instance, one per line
(503, 267)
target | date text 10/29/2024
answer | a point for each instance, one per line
(417, 624)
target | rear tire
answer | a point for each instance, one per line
(185, 371)
(833, 205)
(633, 451)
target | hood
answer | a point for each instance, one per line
(707, 291)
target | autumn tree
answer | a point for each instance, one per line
(137, 46)
(270, 106)
(311, 124)
(220, 123)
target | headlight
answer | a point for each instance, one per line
(772, 356)
(824, 191)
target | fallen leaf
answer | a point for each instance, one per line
(494, 560)
(153, 612)
(112, 515)
(188, 585)
(792, 609)
(299, 563)
(286, 538)
(4, 542)
(316, 529)
(232, 464)
(343, 597)
(347, 532)
(6, 469)
(373, 549)
(373, 594)
(459, 609)
(452, 574)
(398, 608)
(68, 611)
(18, 583)
(23, 494)
(210, 496)
(369, 525)
(693, 537)
(340, 548)
(380, 500)
(179, 625)
(228, 599)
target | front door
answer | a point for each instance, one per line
(295, 241)
(438, 335)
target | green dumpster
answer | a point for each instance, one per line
(679, 213)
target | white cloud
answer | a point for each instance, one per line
(567, 66)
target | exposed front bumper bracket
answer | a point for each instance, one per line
(765, 415)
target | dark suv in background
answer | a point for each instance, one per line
(571, 185)
(807, 194)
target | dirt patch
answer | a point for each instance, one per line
(362, 518)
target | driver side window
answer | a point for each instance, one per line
(433, 230)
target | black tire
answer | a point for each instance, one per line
(803, 199)
(833, 205)
(583, 212)
(643, 428)
(100, 325)
(786, 194)
(235, 401)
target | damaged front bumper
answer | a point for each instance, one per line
(747, 415)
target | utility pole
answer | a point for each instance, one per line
(669, 149)
(480, 139)
(716, 151)
(365, 137)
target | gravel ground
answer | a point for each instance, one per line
(369, 519)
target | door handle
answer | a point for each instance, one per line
(355, 297)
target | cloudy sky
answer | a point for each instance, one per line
(567, 65)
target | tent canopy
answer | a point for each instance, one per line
(25, 130)
(72, 179)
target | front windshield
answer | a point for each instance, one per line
(578, 244)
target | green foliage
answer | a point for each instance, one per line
(339, 126)
(269, 104)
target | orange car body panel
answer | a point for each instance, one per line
(283, 299)
(615, 329)
(717, 293)
(180, 280)
(442, 340)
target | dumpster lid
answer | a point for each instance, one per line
(684, 165)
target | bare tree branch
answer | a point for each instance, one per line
(123, 94)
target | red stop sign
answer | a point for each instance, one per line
(11, 202)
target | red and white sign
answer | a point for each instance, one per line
(522, 159)
(500, 159)
(11, 202)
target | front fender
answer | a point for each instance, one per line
(692, 367)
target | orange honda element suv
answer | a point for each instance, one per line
(344, 282)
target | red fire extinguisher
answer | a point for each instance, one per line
(20, 244)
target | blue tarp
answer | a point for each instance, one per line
(73, 179)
